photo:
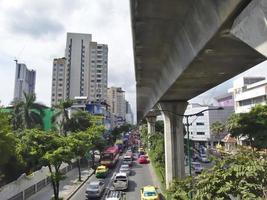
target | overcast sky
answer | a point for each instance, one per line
(34, 32)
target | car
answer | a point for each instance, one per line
(127, 160)
(203, 158)
(196, 166)
(101, 171)
(125, 169)
(143, 159)
(115, 195)
(95, 189)
(149, 193)
(120, 181)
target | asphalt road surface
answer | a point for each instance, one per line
(141, 175)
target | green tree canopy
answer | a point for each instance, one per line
(7, 139)
(79, 121)
(252, 125)
(242, 176)
(27, 113)
(61, 117)
(47, 149)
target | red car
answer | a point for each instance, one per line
(143, 159)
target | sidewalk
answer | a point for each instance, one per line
(66, 186)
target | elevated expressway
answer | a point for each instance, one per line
(182, 48)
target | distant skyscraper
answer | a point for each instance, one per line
(58, 79)
(129, 113)
(86, 68)
(24, 81)
(116, 101)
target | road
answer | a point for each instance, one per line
(141, 175)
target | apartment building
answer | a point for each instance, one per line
(24, 81)
(116, 102)
(58, 80)
(86, 68)
(248, 92)
(200, 125)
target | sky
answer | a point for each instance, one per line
(34, 32)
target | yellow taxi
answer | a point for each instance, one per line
(101, 171)
(149, 193)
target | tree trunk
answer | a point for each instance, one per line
(79, 168)
(57, 172)
(93, 159)
(53, 182)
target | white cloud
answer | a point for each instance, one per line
(35, 32)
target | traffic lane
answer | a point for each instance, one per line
(80, 194)
(140, 177)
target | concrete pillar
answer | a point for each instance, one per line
(173, 139)
(151, 122)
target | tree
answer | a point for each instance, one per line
(61, 116)
(48, 149)
(241, 176)
(217, 128)
(252, 125)
(117, 131)
(80, 143)
(79, 121)
(27, 114)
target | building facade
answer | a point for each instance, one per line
(199, 129)
(129, 113)
(86, 68)
(58, 81)
(24, 81)
(116, 102)
(248, 92)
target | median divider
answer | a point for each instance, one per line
(91, 172)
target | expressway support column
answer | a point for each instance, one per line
(173, 139)
(151, 129)
(151, 121)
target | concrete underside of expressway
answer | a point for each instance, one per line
(183, 48)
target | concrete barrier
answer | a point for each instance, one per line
(26, 186)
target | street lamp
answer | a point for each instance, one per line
(187, 128)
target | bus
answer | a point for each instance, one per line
(110, 156)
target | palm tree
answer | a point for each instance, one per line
(27, 113)
(61, 116)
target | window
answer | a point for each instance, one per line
(99, 71)
(200, 133)
(98, 80)
(98, 76)
(59, 95)
(200, 124)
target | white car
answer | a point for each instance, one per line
(127, 160)
(120, 181)
(125, 169)
(204, 158)
(196, 166)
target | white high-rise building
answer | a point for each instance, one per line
(86, 68)
(200, 125)
(248, 92)
(58, 80)
(129, 114)
(24, 81)
(116, 101)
